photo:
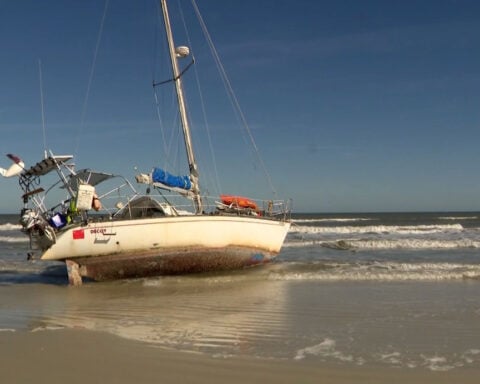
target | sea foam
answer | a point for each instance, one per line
(380, 229)
(10, 227)
(376, 271)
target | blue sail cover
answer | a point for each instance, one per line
(161, 176)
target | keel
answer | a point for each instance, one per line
(73, 270)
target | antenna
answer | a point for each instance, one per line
(43, 111)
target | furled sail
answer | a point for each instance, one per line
(161, 176)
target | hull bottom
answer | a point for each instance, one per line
(153, 263)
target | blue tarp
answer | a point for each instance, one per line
(161, 176)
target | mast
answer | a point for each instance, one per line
(183, 113)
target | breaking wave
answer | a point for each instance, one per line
(9, 227)
(385, 244)
(329, 350)
(375, 271)
(14, 239)
(333, 220)
(385, 237)
(380, 229)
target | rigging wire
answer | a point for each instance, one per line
(171, 152)
(202, 104)
(232, 94)
(160, 120)
(43, 109)
(90, 79)
(155, 95)
(169, 157)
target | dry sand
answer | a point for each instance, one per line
(79, 356)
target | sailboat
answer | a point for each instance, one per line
(104, 229)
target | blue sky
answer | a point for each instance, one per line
(355, 105)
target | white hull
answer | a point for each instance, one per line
(182, 244)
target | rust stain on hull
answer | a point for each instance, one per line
(157, 263)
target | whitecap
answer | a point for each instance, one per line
(378, 271)
(330, 220)
(437, 363)
(14, 239)
(379, 229)
(470, 356)
(386, 243)
(411, 243)
(47, 328)
(391, 358)
(10, 227)
(326, 348)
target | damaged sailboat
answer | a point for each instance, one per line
(103, 228)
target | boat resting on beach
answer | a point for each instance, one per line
(105, 231)
(103, 228)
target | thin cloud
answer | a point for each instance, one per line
(429, 36)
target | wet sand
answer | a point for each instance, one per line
(79, 356)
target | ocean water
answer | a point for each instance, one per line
(400, 290)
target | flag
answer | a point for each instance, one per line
(78, 234)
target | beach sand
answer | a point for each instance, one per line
(79, 356)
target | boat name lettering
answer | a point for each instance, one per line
(98, 230)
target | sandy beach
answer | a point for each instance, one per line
(78, 356)
(317, 315)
